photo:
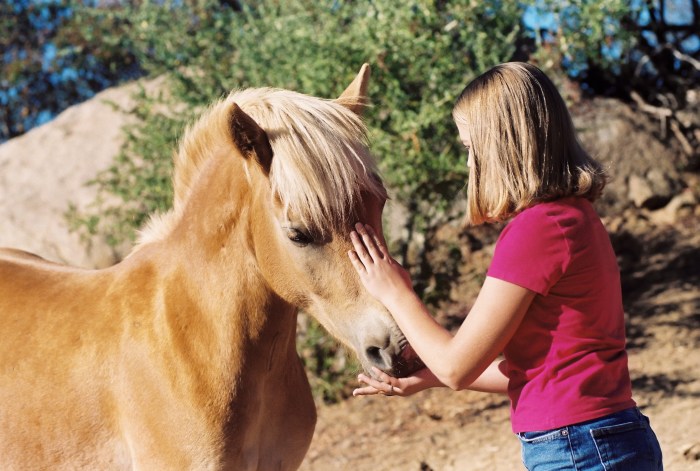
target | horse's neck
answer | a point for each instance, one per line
(221, 332)
(229, 321)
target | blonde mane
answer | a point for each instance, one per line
(321, 162)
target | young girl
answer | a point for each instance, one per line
(551, 302)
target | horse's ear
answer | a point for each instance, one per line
(355, 96)
(250, 138)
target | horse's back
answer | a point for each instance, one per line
(27, 280)
(7, 253)
(14, 260)
(46, 306)
(54, 407)
(42, 308)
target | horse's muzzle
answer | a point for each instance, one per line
(406, 363)
(389, 351)
(399, 364)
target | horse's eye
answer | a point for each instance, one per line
(298, 237)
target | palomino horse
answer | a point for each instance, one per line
(183, 355)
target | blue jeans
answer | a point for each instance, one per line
(622, 441)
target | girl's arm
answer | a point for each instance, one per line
(492, 380)
(458, 361)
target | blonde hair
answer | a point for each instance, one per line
(321, 165)
(523, 144)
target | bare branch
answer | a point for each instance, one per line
(685, 57)
(651, 109)
(685, 144)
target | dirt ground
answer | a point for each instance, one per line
(442, 430)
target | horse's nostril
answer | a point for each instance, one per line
(374, 354)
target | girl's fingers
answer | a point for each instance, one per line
(369, 241)
(365, 391)
(360, 249)
(382, 386)
(381, 376)
(356, 262)
(378, 242)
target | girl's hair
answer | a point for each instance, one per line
(523, 144)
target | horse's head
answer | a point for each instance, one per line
(312, 176)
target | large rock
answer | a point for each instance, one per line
(644, 171)
(45, 170)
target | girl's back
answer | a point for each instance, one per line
(569, 351)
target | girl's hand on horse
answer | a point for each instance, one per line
(387, 385)
(382, 276)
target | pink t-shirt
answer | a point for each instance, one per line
(567, 361)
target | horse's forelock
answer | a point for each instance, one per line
(321, 163)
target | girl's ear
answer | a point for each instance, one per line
(250, 139)
(355, 96)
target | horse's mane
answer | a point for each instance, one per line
(321, 162)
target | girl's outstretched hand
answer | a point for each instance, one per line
(382, 276)
(386, 385)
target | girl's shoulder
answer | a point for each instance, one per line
(567, 205)
(534, 249)
(569, 220)
(539, 245)
(566, 211)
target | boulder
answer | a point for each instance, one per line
(47, 169)
(644, 171)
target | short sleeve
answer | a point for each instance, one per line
(531, 252)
